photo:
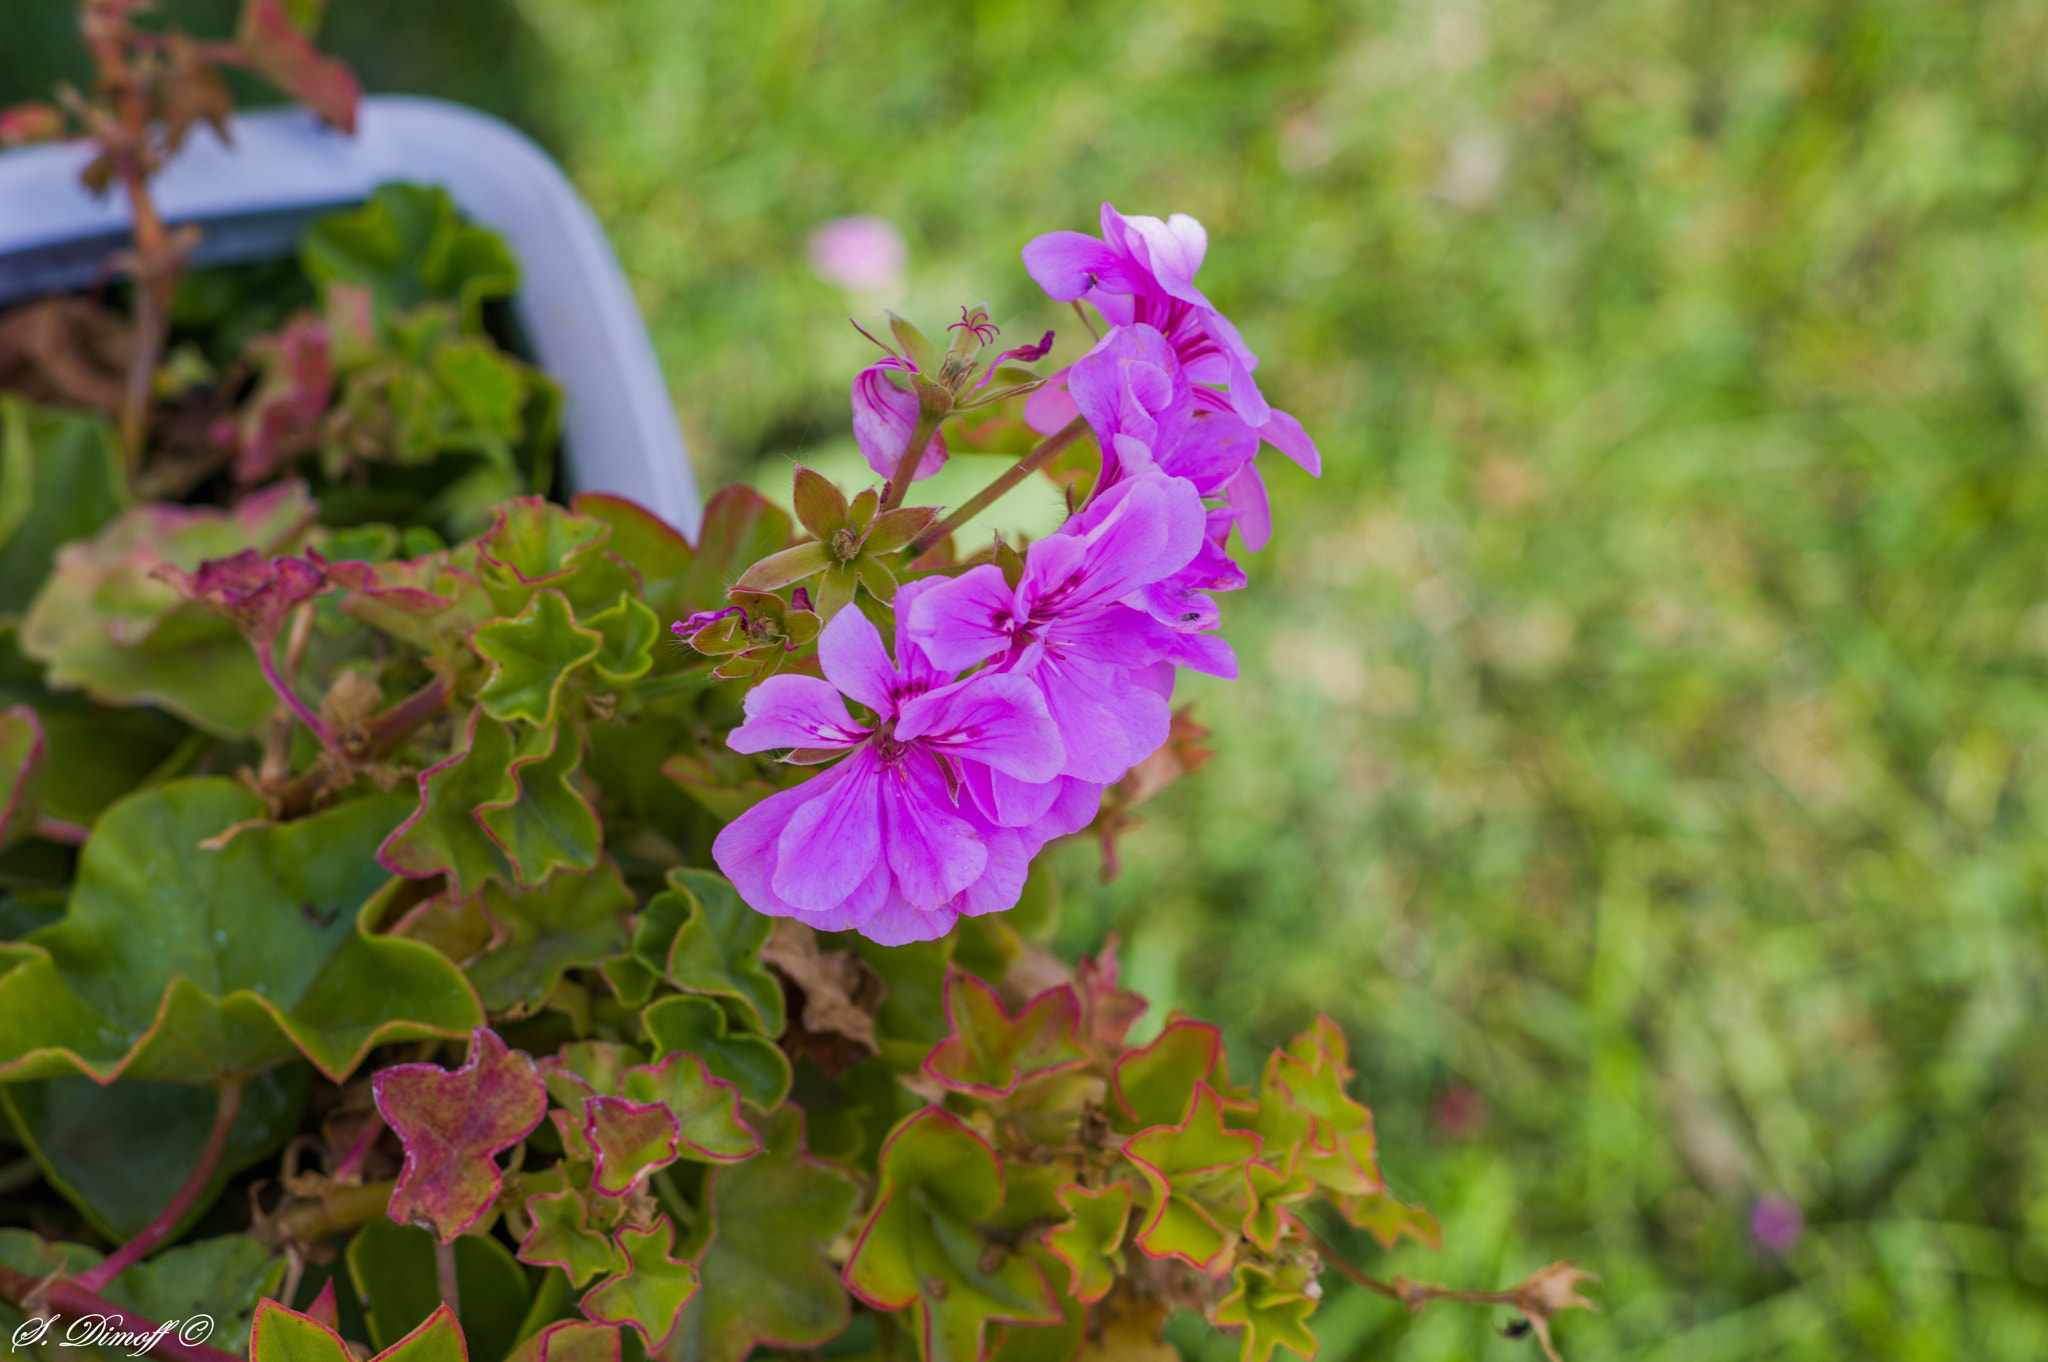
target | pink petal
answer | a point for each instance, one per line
(850, 652)
(994, 717)
(832, 840)
(1247, 493)
(884, 416)
(1050, 406)
(1068, 264)
(1106, 723)
(794, 711)
(933, 852)
(960, 622)
(1285, 434)
(745, 848)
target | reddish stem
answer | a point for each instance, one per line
(444, 1275)
(291, 698)
(387, 730)
(62, 830)
(70, 1298)
(913, 458)
(351, 1165)
(226, 1109)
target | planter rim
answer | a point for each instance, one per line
(284, 169)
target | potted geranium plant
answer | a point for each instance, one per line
(444, 920)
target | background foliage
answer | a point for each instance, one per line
(1640, 725)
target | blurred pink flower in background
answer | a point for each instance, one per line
(861, 254)
(1776, 1222)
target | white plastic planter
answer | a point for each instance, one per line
(284, 170)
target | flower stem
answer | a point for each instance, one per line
(1046, 451)
(444, 1275)
(291, 698)
(227, 1106)
(351, 1166)
(913, 456)
(72, 1299)
(62, 830)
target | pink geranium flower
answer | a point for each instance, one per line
(881, 842)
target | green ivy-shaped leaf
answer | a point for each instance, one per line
(570, 920)
(630, 630)
(1089, 1243)
(655, 549)
(755, 1065)
(503, 808)
(1302, 1103)
(60, 479)
(717, 949)
(989, 1053)
(222, 1278)
(104, 624)
(408, 245)
(920, 1248)
(1272, 1306)
(283, 1335)
(561, 1237)
(1155, 1084)
(1389, 1217)
(651, 1291)
(194, 965)
(392, 1268)
(1195, 1172)
(768, 1279)
(118, 1151)
(532, 656)
(570, 1340)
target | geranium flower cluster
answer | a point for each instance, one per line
(1020, 687)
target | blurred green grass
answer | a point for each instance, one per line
(1641, 723)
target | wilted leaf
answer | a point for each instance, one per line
(920, 1248)
(651, 1291)
(250, 590)
(276, 49)
(988, 1053)
(453, 1126)
(271, 922)
(841, 994)
(768, 1279)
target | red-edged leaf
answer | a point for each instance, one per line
(1195, 1172)
(250, 588)
(651, 1292)
(277, 50)
(1088, 1244)
(453, 1126)
(1155, 1084)
(988, 1053)
(24, 768)
(21, 124)
(630, 1139)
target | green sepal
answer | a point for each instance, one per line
(531, 657)
(755, 1065)
(1272, 1306)
(820, 506)
(650, 1292)
(768, 1277)
(276, 922)
(779, 570)
(916, 348)
(920, 1248)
